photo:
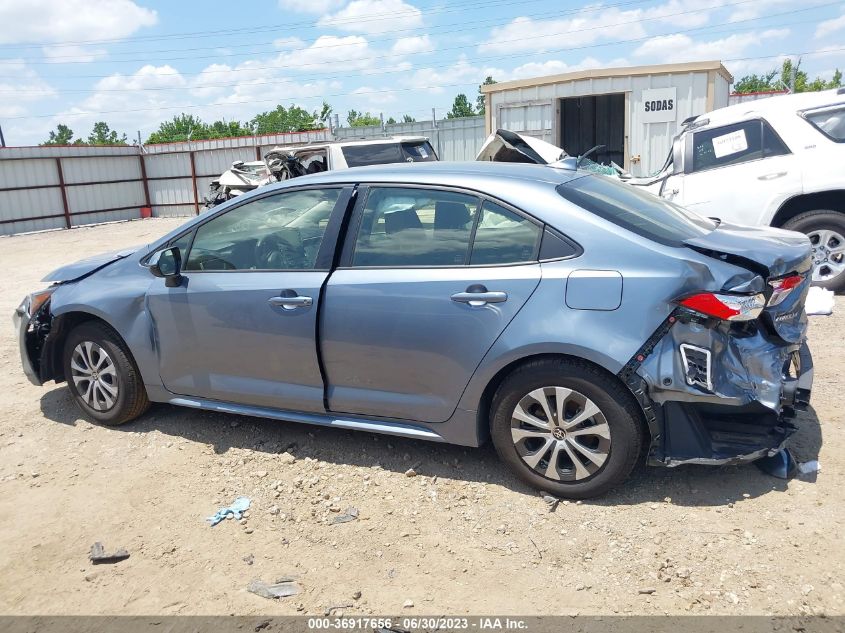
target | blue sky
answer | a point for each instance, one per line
(134, 63)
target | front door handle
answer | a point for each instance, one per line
(290, 300)
(478, 295)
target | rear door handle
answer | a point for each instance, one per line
(478, 295)
(289, 300)
(772, 176)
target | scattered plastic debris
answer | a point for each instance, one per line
(781, 465)
(337, 607)
(819, 302)
(282, 588)
(238, 507)
(551, 501)
(98, 554)
(810, 467)
(350, 515)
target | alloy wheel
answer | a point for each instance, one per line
(560, 434)
(95, 376)
(828, 254)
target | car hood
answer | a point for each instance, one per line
(504, 146)
(85, 267)
(779, 252)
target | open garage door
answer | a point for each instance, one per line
(594, 120)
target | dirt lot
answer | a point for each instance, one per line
(462, 537)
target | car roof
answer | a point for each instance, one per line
(352, 142)
(486, 176)
(788, 104)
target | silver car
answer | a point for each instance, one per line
(578, 322)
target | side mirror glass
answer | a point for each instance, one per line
(167, 263)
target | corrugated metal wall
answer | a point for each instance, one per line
(534, 110)
(61, 187)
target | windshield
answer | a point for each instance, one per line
(635, 209)
(385, 153)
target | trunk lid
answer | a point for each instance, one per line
(773, 254)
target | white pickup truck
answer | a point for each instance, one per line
(777, 162)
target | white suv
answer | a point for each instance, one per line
(777, 161)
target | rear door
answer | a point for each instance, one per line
(737, 172)
(429, 279)
(242, 325)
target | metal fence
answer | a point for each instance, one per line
(61, 187)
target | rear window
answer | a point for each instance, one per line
(385, 153)
(829, 121)
(635, 209)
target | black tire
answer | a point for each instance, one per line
(615, 402)
(821, 220)
(131, 398)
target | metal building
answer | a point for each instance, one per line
(633, 111)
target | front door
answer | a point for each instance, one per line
(242, 325)
(434, 279)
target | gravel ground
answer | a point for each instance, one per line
(460, 536)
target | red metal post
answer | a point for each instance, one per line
(63, 190)
(257, 152)
(194, 181)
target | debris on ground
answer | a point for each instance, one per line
(98, 554)
(249, 559)
(282, 588)
(781, 465)
(819, 302)
(646, 591)
(350, 515)
(337, 607)
(551, 501)
(408, 604)
(807, 468)
(236, 510)
(410, 473)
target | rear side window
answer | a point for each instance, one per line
(385, 153)
(635, 209)
(829, 121)
(734, 144)
(503, 237)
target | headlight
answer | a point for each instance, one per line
(35, 301)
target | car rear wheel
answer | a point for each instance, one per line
(826, 230)
(101, 375)
(566, 427)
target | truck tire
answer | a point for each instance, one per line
(826, 230)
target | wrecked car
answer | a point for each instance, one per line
(577, 321)
(285, 163)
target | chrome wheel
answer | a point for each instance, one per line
(560, 434)
(828, 254)
(95, 376)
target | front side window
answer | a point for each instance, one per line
(279, 232)
(635, 209)
(829, 121)
(415, 227)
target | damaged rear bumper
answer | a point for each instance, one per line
(718, 395)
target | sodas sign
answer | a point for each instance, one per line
(659, 105)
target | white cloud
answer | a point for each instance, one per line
(556, 67)
(830, 26)
(680, 47)
(310, 6)
(369, 98)
(373, 17)
(23, 82)
(69, 20)
(527, 34)
(70, 53)
(412, 45)
(287, 43)
(330, 52)
(751, 10)
(443, 79)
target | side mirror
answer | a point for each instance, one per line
(167, 264)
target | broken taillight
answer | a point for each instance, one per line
(726, 307)
(781, 288)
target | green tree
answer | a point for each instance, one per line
(781, 78)
(325, 112)
(103, 135)
(407, 118)
(460, 108)
(361, 119)
(183, 127)
(391, 121)
(292, 119)
(479, 100)
(223, 129)
(62, 136)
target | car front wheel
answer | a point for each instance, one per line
(826, 230)
(101, 375)
(566, 427)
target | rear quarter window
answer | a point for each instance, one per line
(635, 210)
(386, 153)
(829, 121)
